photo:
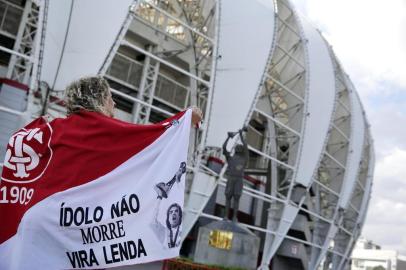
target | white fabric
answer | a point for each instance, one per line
(42, 243)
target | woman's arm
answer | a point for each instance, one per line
(197, 115)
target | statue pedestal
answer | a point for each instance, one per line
(227, 244)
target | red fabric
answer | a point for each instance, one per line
(85, 146)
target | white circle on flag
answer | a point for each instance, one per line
(28, 155)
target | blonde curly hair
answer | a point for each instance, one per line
(88, 93)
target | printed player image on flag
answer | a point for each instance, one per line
(92, 192)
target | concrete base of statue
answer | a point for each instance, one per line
(227, 244)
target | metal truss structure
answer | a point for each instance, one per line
(311, 151)
(23, 24)
(21, 34)
(19, 68)
(171, 71)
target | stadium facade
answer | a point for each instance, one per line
(255, 63)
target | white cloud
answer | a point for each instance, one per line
(388, 127)
(386, 219)
(369, 38)
(389, 184)
(385, 224)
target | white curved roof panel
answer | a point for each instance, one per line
(321, 87)
(368, 186)
(79, 35)
(246, 34)
(355, 147)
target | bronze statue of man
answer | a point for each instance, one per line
(235, 172)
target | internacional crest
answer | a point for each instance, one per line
(28, 155)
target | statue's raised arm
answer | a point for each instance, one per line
(226, 153)
(244, 142)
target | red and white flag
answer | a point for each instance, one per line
(92, 192)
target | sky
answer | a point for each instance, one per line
(369, 39)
